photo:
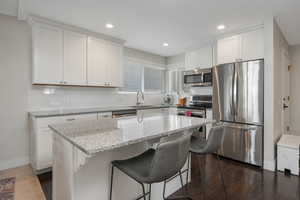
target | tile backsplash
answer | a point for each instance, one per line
(46, 98)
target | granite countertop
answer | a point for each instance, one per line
(102, 135)
(61, 112)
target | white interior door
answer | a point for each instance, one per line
(285, 91)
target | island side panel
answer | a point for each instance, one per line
(62, 170)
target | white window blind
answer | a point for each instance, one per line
(140, 76)
(153, 79)
(132, 73)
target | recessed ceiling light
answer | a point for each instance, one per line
(221, 27)
(165, 44)
(108, 25)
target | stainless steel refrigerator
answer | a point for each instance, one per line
(238, 101)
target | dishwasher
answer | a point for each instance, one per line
(124, 113)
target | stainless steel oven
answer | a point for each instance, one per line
(194, 112)
(197, 77)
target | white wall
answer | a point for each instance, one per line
(294, 89)
(280, 44)
(268, 94)
(274, 42)
(18, 96)
(14, 85)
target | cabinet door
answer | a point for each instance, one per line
(229, 50)
(44, 150)
(96, 63)
(114, 65)
(201, 58)
(47, 54)
(74, 58)
(252, 45)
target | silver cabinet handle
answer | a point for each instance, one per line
(71, 119)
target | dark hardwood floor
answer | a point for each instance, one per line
(243, 182)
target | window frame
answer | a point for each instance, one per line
(146, 64)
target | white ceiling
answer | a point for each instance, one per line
(146, 24)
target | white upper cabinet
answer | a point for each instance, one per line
(74, 58)
(47, 54)
(96, 63)
(104, 63)
(242, 47)
(114, 64)
(63, 56)
(229, 49)
(201, 58)
(252, 45)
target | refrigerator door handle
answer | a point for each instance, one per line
(234, 92)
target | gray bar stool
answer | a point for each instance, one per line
(210, 146)
(156, 165)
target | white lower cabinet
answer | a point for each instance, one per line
(41, 138)
(288, 156)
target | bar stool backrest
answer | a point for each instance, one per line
(170, 156)
(215, 139)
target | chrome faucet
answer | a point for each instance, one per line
(139, 95)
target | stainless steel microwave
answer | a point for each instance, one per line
(198, 77)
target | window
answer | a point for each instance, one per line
(140, 76)
(132, 73)
(153, 79)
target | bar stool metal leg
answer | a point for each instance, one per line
(111, 181)
(181, 180)
(188, 167)
(149, 192)
(173, 198)
(144, 192)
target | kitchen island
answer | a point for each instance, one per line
(83, 151)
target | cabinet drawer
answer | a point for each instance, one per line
(43, 123)
(105, 115)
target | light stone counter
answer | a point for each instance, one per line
(75, 111)
(102, 135)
